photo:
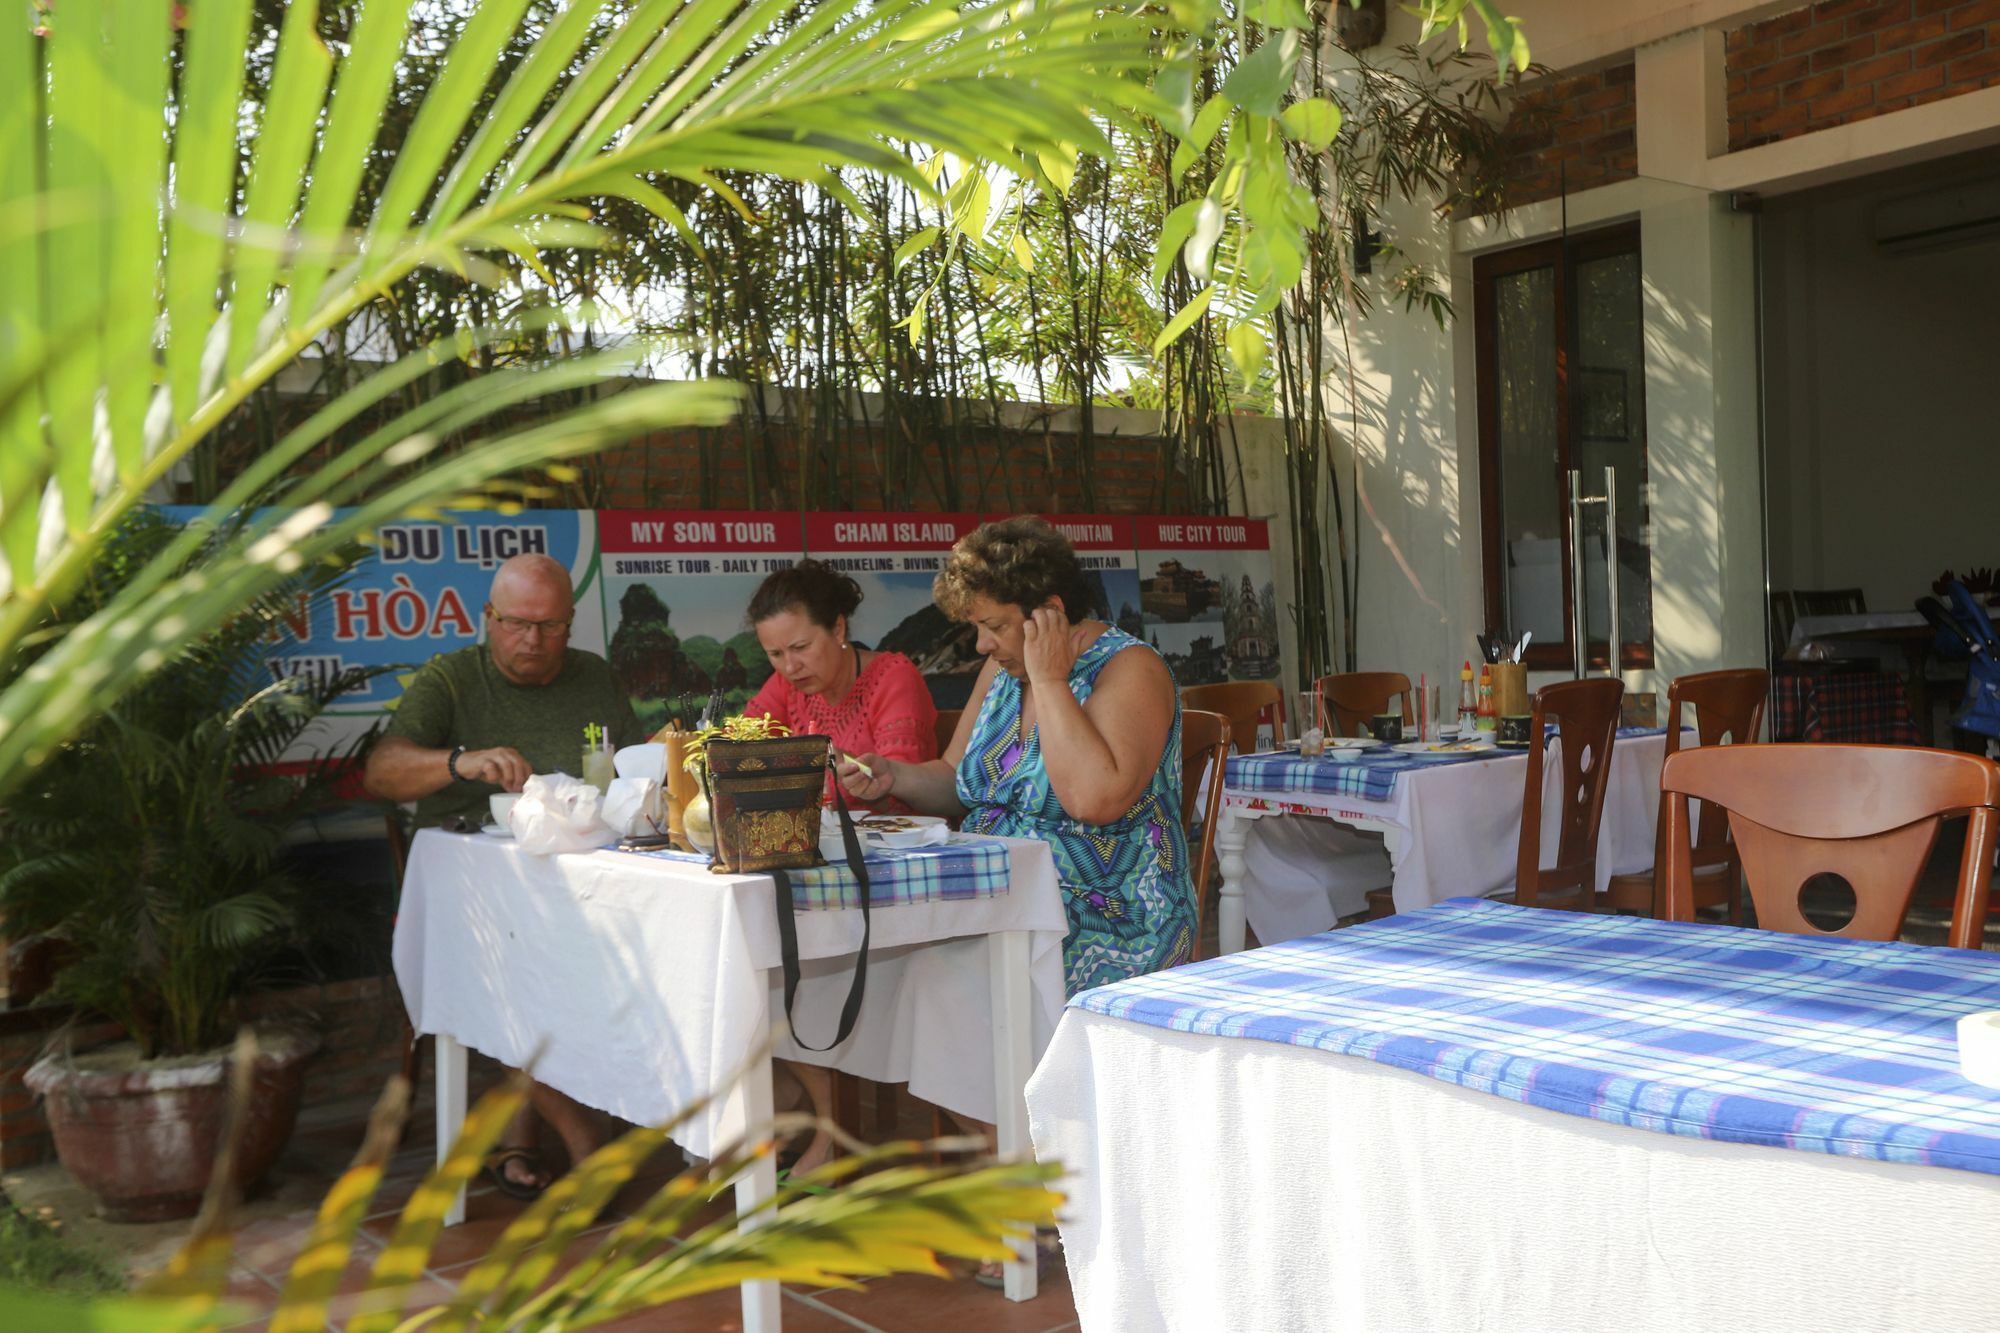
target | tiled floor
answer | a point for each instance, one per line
(275, 1224)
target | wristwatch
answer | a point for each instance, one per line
(451, 764)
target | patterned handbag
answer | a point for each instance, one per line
(765, 799)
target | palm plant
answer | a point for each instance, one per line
(147, 850)
(267, 248)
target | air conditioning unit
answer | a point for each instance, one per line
(1951, 215)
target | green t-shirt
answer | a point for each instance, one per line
(460, 698)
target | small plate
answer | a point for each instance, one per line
(900, 830)
(496, 831)
(1352, 742)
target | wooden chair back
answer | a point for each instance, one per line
(1245, 703)
(1728, 710)
(947, 726)
(1204, 750)
(1352, 699)
(1869, 813)
(1585, 713)
(1828, 602)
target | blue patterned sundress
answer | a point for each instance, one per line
(1125, 885)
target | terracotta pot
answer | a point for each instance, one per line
(141, 1135)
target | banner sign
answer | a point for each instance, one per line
(422, 591)
(1208, 597)
(675, 586)
(663, 595)
(895, 557)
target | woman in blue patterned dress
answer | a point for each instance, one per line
(1072, 735)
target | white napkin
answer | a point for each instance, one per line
(647, 760)
(631, 805)
(559, 813)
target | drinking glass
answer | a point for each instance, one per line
(1311, 721)
(1428, 698)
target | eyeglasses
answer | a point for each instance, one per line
(516, 625)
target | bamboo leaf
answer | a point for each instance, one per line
(1184, 318)
(913, 245)
(1246, 348)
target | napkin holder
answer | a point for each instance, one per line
(681, 785)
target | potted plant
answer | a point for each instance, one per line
(147, 850)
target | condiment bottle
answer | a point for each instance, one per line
(1468, 700)
(1484, 708)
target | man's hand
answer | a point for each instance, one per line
(502, 766)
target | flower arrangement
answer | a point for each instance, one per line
(739, 728)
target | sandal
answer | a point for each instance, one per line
(494, 1169)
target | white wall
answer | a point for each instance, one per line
(1883, 383)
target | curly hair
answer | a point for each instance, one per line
(824, 594)
(1022, 561)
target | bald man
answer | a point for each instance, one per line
(483, 719)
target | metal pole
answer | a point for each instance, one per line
(1613, 654)
(1577, 597)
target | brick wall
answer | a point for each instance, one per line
(732, 469)
(1571, 132)
(360, 1023)
(1846, 60)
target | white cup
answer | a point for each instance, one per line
(502, 804)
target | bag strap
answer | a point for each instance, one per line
(788, 935)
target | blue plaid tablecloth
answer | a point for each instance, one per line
(966, 867)
(1832, 1046)
(1371, 775)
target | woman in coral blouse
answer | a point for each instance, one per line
(868, 702)
(821, 683)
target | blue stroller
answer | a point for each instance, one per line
(1963, 626)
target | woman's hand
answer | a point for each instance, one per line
(869, 777)
(1048, 647)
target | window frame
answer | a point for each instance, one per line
(1562, 256)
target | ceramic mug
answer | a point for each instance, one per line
(502, 804)
(1387, 728)
(1514, 728)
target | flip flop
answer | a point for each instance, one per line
(494, 1169)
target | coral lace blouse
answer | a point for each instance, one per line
(888, 712)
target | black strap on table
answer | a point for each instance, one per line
(788, 935)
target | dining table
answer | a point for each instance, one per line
(1450, 821)
(639, 983)
(1484, 1116)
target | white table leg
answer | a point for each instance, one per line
(760, 1299)
(1232, 830)
(1013, 1061)
(449, 1057)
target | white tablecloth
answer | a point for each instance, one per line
(1449, 831)
(646, 983)
(1220, 1184)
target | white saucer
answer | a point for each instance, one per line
(496, 831)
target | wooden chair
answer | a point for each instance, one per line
(1869, 813)
(1245, 703)
(1728, 709)
(1204, 749)
(1354, 698)
(1586, 716)
(947, 724)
